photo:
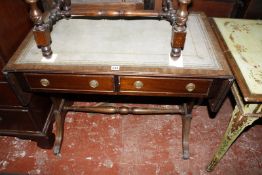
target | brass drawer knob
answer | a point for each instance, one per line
(44, 82)
(138, 84)
(190, 87)
(93, 84)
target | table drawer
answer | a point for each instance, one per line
(16, 119)
(72, 83)
(175, 86)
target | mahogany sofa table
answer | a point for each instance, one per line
(129, 58)
(242, 43)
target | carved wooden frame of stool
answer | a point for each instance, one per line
(62, 9)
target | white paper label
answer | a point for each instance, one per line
(115, 67)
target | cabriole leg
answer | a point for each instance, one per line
(237, 124)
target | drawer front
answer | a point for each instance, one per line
(7, 96)
(165, 86)
(17, 120)
(70, 83)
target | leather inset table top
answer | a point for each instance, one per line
(144, 43)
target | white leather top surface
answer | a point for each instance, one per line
(123, 42)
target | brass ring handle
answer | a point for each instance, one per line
(190, 87)
(138, 84)
(44, 82)
(93, 83)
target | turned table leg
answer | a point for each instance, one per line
(242, 116)
(179, 29)
(41, 30)
(59, 121)
(238, 123)
(59, 115)
(186, 122)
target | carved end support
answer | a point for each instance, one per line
(179, 29)
(41, 31)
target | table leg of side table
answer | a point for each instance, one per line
(59, 114)
(186, 122)
(179, 29)
(239, 121)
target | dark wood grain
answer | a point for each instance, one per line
(189, 83)
(114, 13)
(26, 119)
(72, 83)
(178, 39)
(215, 8)
(170, 86)
(42, 38)
(108, 6)
(1, 67)
(223, 73)
(8, 98)
(21, 114)
(252, 9)
(7, 118)
(15, 24)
